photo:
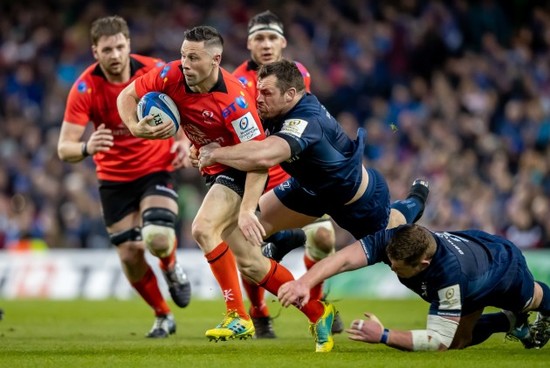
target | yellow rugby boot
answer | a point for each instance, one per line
(233, 326)
(322, 329)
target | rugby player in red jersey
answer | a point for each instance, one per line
(137, 192)
(215, 107)
(266, 41)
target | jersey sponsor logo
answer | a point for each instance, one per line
(449, 298)
(82, 87)
(164, 71)
(294, 127)
(243, 80)
(240, 101)
(246, 127)
(207, 116)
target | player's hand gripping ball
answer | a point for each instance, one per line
(161, 107)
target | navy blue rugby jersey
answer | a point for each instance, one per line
(324, 161)
(470, 270)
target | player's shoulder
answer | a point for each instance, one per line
(85, 82)
(301, 67)
(242, 68)
(234, 87)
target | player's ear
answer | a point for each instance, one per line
(94, 52)
(283, 44)
(289, 94)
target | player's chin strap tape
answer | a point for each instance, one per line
(133, 234)
(159, 216)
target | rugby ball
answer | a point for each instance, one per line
(161, 107)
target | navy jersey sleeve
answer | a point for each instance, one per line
(375, 245)
(299, 134)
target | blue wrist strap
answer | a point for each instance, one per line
(385, 335)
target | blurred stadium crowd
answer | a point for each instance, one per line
(454, 91)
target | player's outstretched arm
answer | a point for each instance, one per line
(438, 336)
(349, 258)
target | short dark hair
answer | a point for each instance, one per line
(266, 17)
(108, 26)
(409, 244)
(287, 73)
(209, 35)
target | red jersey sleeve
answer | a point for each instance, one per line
(79, 102)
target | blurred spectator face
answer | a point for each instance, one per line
(113, 54)
(266, 47)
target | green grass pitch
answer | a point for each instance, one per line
(110, 334)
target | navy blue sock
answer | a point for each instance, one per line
(489, 324)
(410, 208)
(544, 307)
(284, 241)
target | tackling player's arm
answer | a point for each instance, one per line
(367, 251)
(348, 258)
(127, 102)
(247, 156)
(441, 327)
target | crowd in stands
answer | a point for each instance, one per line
(457, 92)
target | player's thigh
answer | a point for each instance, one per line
(276, 216)
(159, 201)
(463, 335)
(219, 209)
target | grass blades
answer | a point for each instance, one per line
(110, 334)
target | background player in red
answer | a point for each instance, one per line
(215, 107)
(137, 195)
(266, 42)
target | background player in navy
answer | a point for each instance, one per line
(137, 192)
(459, 273)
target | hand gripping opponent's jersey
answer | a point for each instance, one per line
(470, 270)
(92, 98)
(226, 114)
(324, 160)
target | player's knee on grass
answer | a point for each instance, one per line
(158, 231)
(321, 239)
